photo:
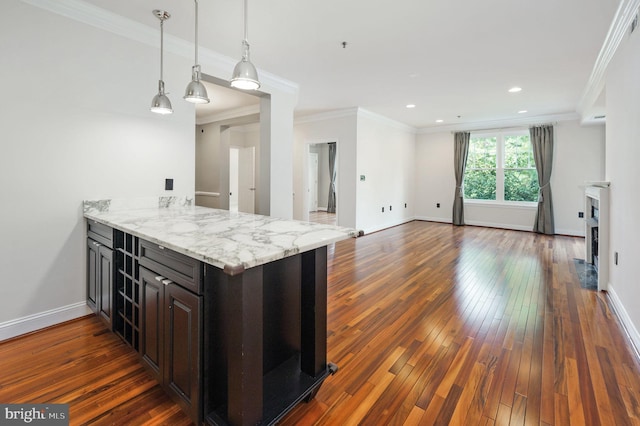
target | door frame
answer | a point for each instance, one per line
(305, 175)
(312, 181)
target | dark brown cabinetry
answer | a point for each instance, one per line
(171, 343)
(231, 346)
(105, 283)
(265, 339)
(92, 274)
(100, 268)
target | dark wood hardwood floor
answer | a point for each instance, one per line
(429, 324)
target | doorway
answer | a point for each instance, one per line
(321, 182)
(313, 182)
(242, 179)
(232, 119)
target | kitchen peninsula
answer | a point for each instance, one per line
(227, 310)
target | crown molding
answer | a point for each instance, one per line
(351, 112)
(327, 115)
(97, 17)
(619, 28)
(387, 121)
(501, 124)
(483, 125)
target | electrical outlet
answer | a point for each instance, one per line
(168, 184)
(437, 205)
(580, 214)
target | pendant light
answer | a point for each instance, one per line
(196, 92)
(160, 103)
(245, 76)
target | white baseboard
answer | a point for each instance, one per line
(570, 232)
(477, 223)
(434, 219)
(40, 320)
(500, 225)
(388, 225)
(627, 324)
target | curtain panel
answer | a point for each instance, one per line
(331, 204)
(461, 152)
(542, 142)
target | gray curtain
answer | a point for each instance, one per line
(331, 204)
(542, 141)
(461, 151)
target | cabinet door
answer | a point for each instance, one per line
(182, 336)
(92, 273)
(105, 282)
(151, 348)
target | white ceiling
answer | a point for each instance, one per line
(453, 59)
(224, 99)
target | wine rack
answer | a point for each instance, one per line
(127, 300)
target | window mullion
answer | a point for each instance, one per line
(500, 168)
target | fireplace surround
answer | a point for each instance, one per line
(597, 230)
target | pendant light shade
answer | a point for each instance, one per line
(245, 76)
(196, 92)
(161, 103)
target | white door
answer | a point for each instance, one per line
(233, 179)
(313, 182)
(246, 180)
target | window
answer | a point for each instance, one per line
(480, 175)
(501, 167)
(520, 175)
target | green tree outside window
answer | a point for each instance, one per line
(486, 179)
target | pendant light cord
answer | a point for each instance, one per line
(246, 20)
(196, 1)
(161, 47)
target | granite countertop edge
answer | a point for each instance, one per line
(229, 241)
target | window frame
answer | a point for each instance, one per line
(500, 169)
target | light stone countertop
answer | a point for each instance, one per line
(224, 239)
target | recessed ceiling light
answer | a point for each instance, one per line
(522, 111)
(411, 106)
(515, 89)
(439, 121)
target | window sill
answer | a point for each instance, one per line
(503, 204)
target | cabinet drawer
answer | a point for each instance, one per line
(100, 233)
(183, 270)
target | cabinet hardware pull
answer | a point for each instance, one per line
(161, 247)
(167, 282)
(160, 278)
